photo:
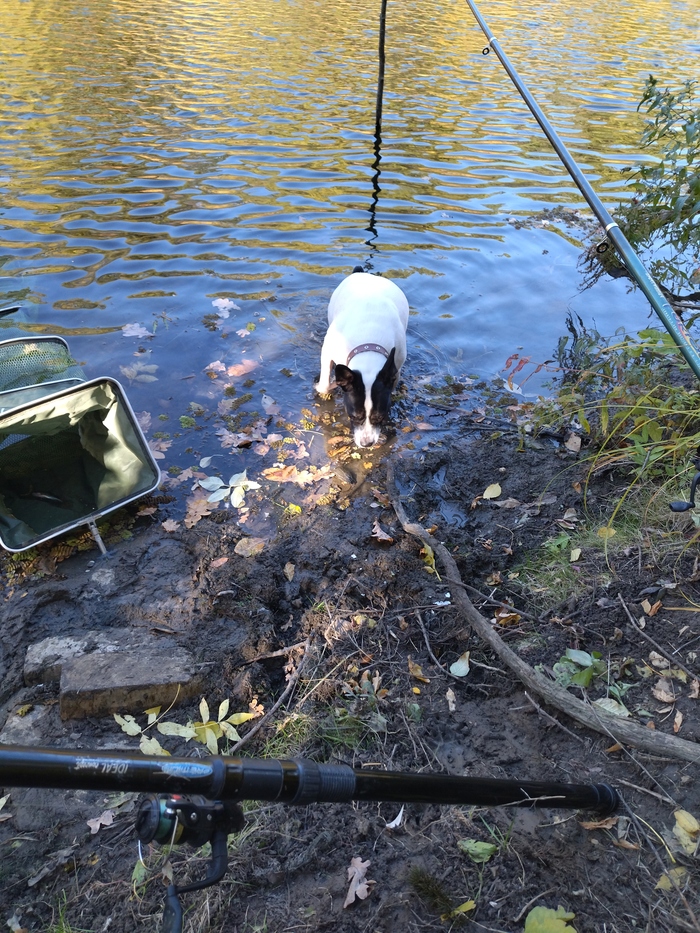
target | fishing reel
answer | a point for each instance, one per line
(680, 506)
(194, 820)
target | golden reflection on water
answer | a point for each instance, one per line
(160, 155)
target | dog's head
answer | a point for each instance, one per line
(367, 398)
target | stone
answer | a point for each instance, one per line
(45, 659)
(100, 684)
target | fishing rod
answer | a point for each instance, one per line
(196, 800)
(634, 265)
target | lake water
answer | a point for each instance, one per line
(158, 157)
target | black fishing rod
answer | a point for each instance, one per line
(634, 265)
(293, 781)
(196, 800)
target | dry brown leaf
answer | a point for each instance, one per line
(614, 748)
(106, 818)
(359, 885)
(170, 525)
(573, 443)
(240, 369)
(600, 824)
(249, 547)
(290, 474)
(379, 534)
(677, 721)
(663, 691)
(507, 617)
(146, 511)
(157, 447)
(219, 562)
(416, 671)
(625, 844)
(695, 690)
(289, 569)
(509, 503)
(197, 508)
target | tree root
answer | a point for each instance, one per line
(617, 728)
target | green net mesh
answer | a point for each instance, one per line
(33, 362)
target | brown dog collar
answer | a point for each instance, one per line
(364, 347)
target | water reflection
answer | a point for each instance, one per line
(156, 158)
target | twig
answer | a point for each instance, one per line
(555, 722)
(530, 903)
(273, 709)
(430, 651)
(653, 741)
(645, 790)
(276, 654)
(662, 651)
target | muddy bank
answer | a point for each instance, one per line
(376, 631)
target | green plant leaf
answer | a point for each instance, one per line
(582, 658)
(546, 920)
(477, 851)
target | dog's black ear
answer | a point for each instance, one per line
(344, 377)
(388, 373)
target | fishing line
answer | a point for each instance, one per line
(372, 227)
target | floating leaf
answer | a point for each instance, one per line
(170, 525)
(211, 483)
(135, 330)
(493, 491)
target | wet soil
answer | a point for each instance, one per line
(363, 613)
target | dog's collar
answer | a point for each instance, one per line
(364, 347)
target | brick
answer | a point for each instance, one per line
(100, 684)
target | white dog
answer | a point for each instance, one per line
(367, 320)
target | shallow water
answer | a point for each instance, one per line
(157, 158)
